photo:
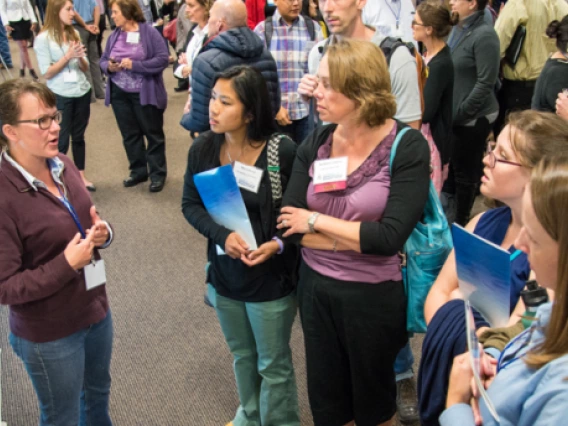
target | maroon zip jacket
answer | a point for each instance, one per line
(48, 299)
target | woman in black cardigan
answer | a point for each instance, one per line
(252, 291)
(431, 25)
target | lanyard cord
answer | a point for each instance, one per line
(71, 210)
(396, 16)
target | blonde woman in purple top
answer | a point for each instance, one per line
(352, 215)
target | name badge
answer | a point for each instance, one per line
(219, 250)
(132, 37)
(95, 274)
(70, 76)
(330, 175)
(397, 32)
(248, 177)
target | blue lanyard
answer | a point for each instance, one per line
(396, 16)
(71, 210)
(502, 363)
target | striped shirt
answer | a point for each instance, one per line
(290, 46)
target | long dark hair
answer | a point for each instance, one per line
(250, 87)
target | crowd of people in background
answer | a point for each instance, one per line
(385, 96)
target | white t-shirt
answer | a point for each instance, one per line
(384, 14)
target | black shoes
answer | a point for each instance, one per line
(406, 401)
(157, 185)
(34, 75)
(133, 181)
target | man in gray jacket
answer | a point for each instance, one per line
(230, 43)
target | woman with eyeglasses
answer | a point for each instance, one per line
(528, 137)
(61, 58)
(51, 273)
(526, 382)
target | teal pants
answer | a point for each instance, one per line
(258, 336)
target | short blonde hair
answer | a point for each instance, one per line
(358, 69)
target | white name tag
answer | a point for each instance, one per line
(330, 175)
(132, 37)
(70, 76)
(95, 274)
(248, 177)
(219, 250)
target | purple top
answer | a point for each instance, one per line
(152, 91)
(127, 80)
(364, 200)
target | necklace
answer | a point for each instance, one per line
(229, 155)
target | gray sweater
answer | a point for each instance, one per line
(475, 53)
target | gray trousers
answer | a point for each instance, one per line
(94, 73)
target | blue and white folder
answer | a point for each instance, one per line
(484, 274)
(223, 200)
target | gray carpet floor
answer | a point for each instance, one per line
(170, 364)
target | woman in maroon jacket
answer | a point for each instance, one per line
(51, 274)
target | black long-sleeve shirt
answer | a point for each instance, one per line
(410, 180)
(270, 280)
(438, 101)
(552, 80)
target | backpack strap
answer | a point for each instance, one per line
(310, 26)
(268, 30)
(395, 146)
(274, 166)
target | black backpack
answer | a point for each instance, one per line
(269, 29)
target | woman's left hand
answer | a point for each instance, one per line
(460, 389)
(34, 26)
(99, 228)
(261, 254)
(295, 219)
(126, 64)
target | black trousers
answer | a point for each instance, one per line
(352, 333)
(75, 118)
(135, 122)
(513, 96)
(470, 143)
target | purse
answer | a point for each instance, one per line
(424, 253)
(170, 30)
(514, 50)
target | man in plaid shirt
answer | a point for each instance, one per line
(290, 44)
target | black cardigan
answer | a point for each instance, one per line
(204, 155)
(409, 190)
(438, 101)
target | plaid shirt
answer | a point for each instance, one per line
(290, 46)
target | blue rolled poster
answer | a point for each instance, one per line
(222, 198)
(484, 275)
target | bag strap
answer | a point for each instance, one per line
(310, 26)
(395, 146)
(274, 166)
(268, 30)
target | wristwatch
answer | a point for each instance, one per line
(312, 221)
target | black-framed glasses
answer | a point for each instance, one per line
(494, 160)
(44, 122)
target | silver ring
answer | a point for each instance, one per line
(285, 223)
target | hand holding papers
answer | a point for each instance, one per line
(223, 200)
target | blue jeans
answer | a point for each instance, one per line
(71, 376)
(4, 46)
(403, 363)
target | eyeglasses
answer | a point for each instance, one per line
(413, 23)
(493, 158)
(44, 122)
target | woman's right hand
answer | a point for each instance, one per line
(8, 28)
(235, 246)
(75, 50)
(79, 251)
(113, 66)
